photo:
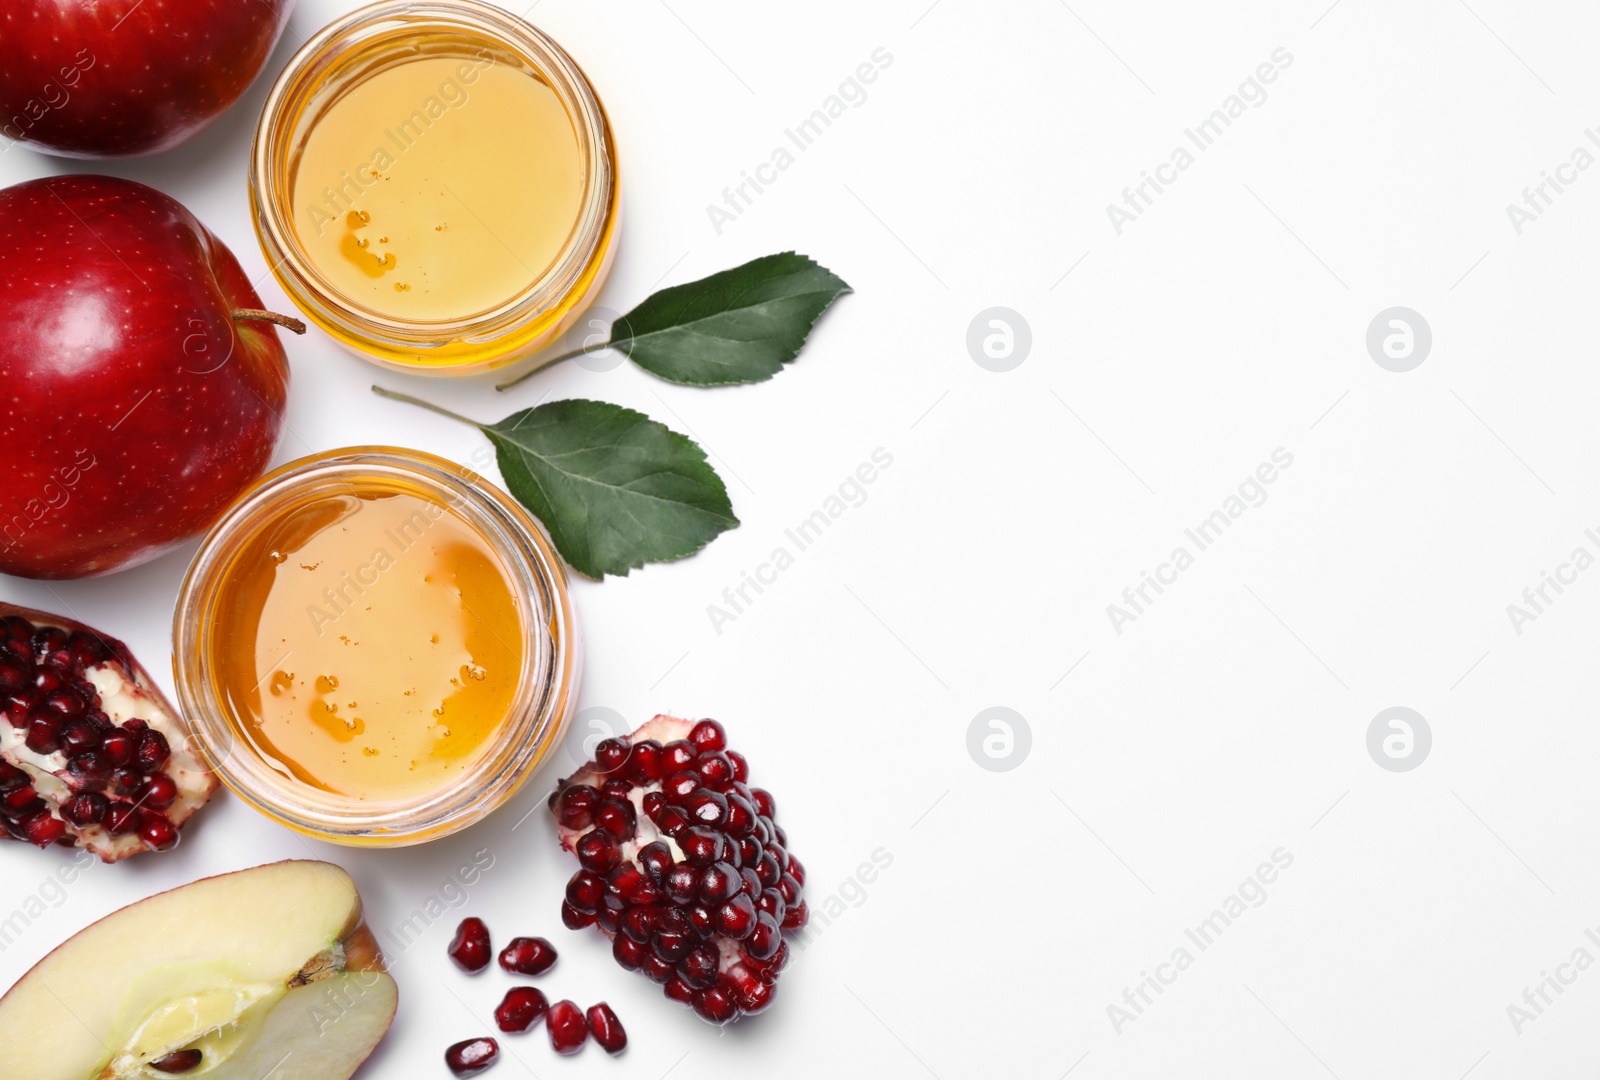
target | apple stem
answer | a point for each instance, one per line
(257, 315)
(526, 375)
(394, 395)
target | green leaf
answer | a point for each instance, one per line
(615, 489)
(737, 326)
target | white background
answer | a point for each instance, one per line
(1167, 761)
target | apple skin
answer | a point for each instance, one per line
(115, 78)
(134, 406)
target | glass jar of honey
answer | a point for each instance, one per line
(375, 646)
(434, 183)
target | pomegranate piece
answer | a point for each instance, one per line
(683, 865)
(528, 956)
(91, 754)
(607, 1029)
(522, 1008)
(568, 1029)
(470, 947)
(472, 1056)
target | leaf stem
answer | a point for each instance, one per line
(394, 395)
(531, 372)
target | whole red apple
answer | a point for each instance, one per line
(115, 78)
(140, 390)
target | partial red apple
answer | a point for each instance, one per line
(141, 388)
(263, 973)
(116, 78)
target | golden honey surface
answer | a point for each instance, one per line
(370, 644)
(439, 188)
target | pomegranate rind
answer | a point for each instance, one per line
(126, 692)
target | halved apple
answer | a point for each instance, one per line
(263, 973)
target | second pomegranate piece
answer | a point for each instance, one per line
(684, 865)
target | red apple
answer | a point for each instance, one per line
(140, 387)
(115, 78)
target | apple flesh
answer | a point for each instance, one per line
(143, 387)
(260, 970)
(87, 78)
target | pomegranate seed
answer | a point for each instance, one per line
(718, 883)
(699, 967)
(736, 918)
(576, 808)
(43, 829)
(715, 770)
(795, 870)
(644, 764)
(608, 919)
(522, 1008)
(13, 676)
(707, 807)
(87, 809)
(670, 945)
(682, 883)
(708, 737)
(741, 767)
(80, 735)
(700, 845)
(797, 917)
(657, 970)
(568, 1029)
(765, 805)
(627, 952)
(611, 755)
(585, 890)
(44, 734)
(679, 991)
(17, 800)
(639, 923)
(65, 703)
(754, 997)
(771, 902)
(470, 947)
(677, 756)
(765, 938)
(157, 831)
(87, 651)
(573, 919)
(598, 853)
(655, 859)
(153, 751)
(47, 640)
(160, 792)
(122, 818)
(716, 1005)
(119, 748)
(127, 781)
(90, 770)
(528, 956)
(617, 819)
(607, 1029)
(179, 1061)
(11, 778)
(472, 1056)
(680, 785)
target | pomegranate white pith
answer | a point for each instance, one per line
(684, 866)
(91, 753)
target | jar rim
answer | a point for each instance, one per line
(331, 53)
(547, 687)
